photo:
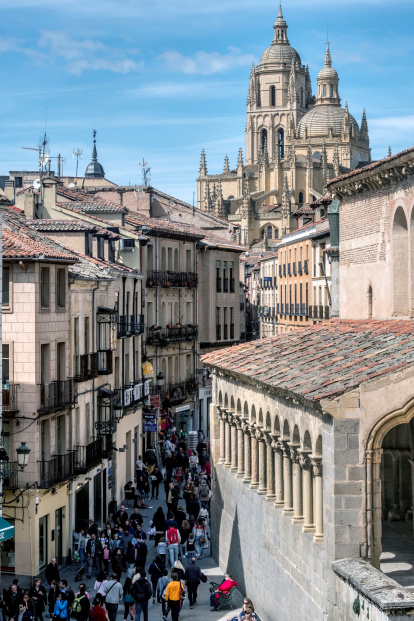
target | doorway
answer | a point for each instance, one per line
(82, 507)
(59, 535)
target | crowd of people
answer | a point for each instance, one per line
(180, 533)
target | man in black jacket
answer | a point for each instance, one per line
(172, 497)
(156, 478)
(52, 571)
(141, 592)
(193, 575)
(136, 519)
(94, 553)
(120, 517)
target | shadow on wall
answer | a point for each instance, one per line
(234, 559)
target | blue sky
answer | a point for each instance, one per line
(162, 79)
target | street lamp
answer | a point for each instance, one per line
(160, 379)
(23, 455)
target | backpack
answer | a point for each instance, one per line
(172, 535)
(77, 606)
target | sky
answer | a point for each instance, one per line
(161, 80)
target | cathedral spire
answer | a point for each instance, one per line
(280, 27)
(226, 168)
(240, 159)
(203, 164)
(328, 81)
(336, 159)
(389, 152)
(364, 126)
(328, 58)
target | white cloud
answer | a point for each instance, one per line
(205, 63)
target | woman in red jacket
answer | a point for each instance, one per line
(224, 587)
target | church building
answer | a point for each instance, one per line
(295, 143)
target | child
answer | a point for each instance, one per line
(191, 548)
(106, 556)
(162, 549)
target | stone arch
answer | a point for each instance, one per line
(239, 407)
(246, 410)
(232, 403)
(226, 401)
(296, 435)
(400, 262)
(276, 425)
(307, 441)
(318, 447)
(268, 421)
(220, 398)
(253, 414)
(260, 416)
(286, 430)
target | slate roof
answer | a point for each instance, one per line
(323, 361)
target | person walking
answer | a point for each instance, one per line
(81, 605)
(117, 563)
(82, 541)
(193, 576)
(38, 594)
(52, 596)
(128, 597)
(156, 570)
(156, 478)
(94, 554)
(141, 552)
(114, 594)
(52, 571)
(199, 532)
(173, 596)
(61, 607)
(142, 593)
(97, 611)
(161, 590)
(173, 539)
(23, 614)
(204, 492)
(172, 497)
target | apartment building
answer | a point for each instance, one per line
(268, 282)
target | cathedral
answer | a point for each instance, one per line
(295, 143)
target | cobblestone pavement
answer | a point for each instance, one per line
(208, 566)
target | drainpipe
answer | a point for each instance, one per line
(135, 313)
(123, 340)
(94, 348)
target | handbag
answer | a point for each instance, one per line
(202, 539)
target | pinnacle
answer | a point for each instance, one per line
(328, 58)
(280, 11)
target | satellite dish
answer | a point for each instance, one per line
(71, 185)
(36, 184)
(44, 159)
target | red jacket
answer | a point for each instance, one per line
(226, 587)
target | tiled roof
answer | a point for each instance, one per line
(3, 199)
(161, 226)
(68, 226)
(93, 206)
(268, 208)
(22, 245)
(305, 209)
(323, 361)
(216, 241)
(370, 167)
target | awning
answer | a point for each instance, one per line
(6, 530)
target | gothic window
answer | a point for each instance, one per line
(300, 198)
(276, 233)
(369, 302)
(272, 96)
(269, 232)
(281, 143)
(264, 138)
(263, 233)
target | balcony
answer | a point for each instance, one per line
(56, 470)
(225, 332)
(130, 395)
(303, 310)
(297, 309)
(9, 472)
(56, 395)
(231, 285)
(291, 309)
(105, 362)
(167, 279)
(9, 399)
(306, 266)
(85, 367)
(176, 394)
(231, 331)
(130, 325)
(86, 457)
(163, 337)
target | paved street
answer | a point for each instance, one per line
(202, 608)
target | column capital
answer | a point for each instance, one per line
(294, 453)
(260, 435)
(317, 465)
(374, 455)
(238, 421)
(268, 438)
(304, 459)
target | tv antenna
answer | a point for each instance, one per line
(78, 154)
(43, 156)
(146, 177)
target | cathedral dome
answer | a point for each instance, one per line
(94, 169)
(280, 52)
(321, 118)
(328, 73)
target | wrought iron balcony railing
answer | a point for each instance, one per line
(167, 279)
(9, 403)
(57, 395)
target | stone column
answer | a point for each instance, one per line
(222, 436)
(287, 480)
(270, 475)
(240, 449)
(260, 437)
(394, 514)
(247, 454)
(278, 448)
(318, 482)
(307, 492)
(255, 459)
(233, 444)
(297, 486)
(227, 459)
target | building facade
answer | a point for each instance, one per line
(269, 295)
(295, 143)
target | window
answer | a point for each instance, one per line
(76, 362)
(276, 233)
(264, 139)
(218, 325)
(6, 366)
(43, 534)
(18, 182)
(269, 232)
(61, 362)
(88, 244)
(332, 90)
(111, 251)
(225, 335)
(45, 363)
(86, 335)
(101, 248)
(324, 90)
(263, 233)
(300, 198)
(281, 143)
(60, 288)
(231, 322)
(272, 96)
(45, 287)
(225, 279)
(231, 265)
(6, 286)
(150, 257)
(188, 261)
(218, 278)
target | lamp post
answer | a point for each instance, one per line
(23, 453)
(160, 380)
